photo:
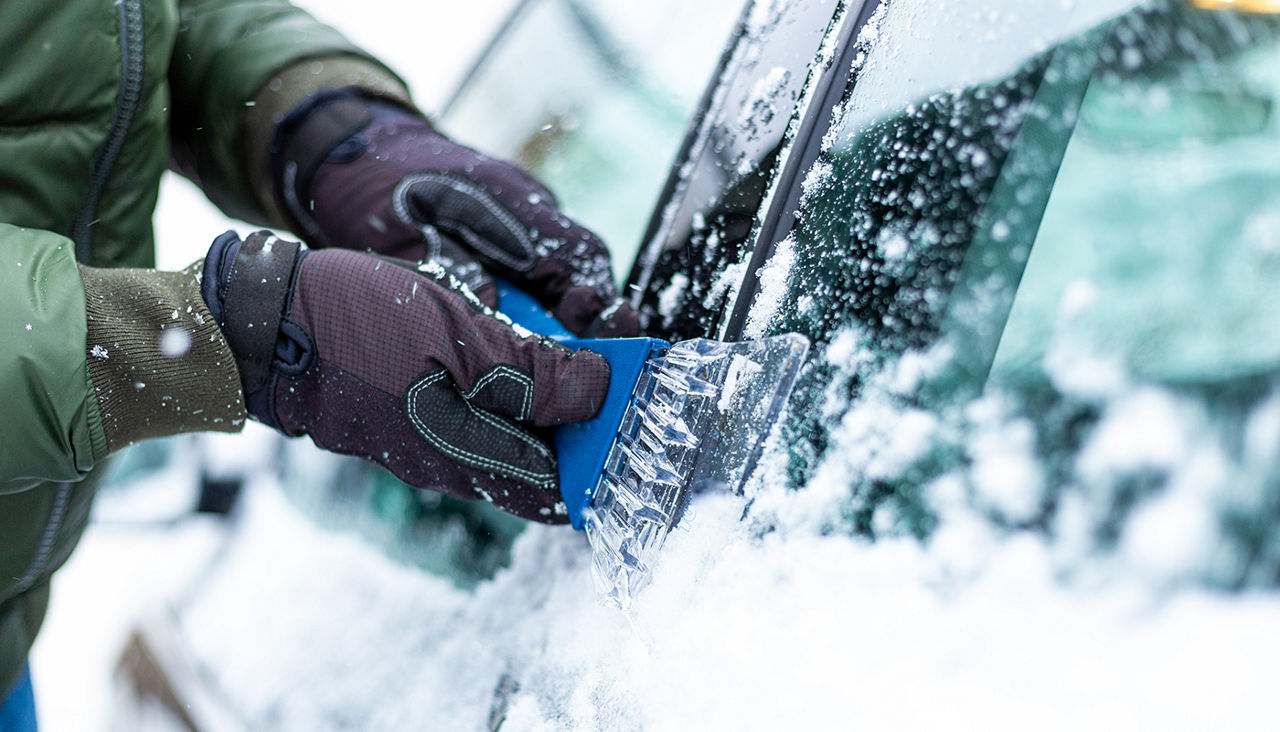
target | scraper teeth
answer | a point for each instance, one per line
(663, 431)
(642, 494)
(638, 502)
(684, 383)
(651, 467)
(623, 549)
(672, 430)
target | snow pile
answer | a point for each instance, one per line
(312, 631)
(785, 620)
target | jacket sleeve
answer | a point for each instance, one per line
(51, 429)
(93, 360)
(225, 54)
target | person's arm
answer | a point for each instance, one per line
(366, 355)
(51, 429)
(242, 67)
(93, 360)
(237, 68)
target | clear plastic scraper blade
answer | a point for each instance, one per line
(698, 421)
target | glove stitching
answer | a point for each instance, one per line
(434, 244)
(539, 480)
(526, 407)
(509, 221)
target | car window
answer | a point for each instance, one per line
(696, 250)
(1077, 238)
(924, 219)
(599, 113)
(919, 154)
(1159, 245)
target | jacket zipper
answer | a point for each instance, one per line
(130, 96)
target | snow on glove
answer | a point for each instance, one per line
(406, 369)
(364, 174)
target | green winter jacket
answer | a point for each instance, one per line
(97, 99)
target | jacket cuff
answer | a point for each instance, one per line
(287, 90)
(158, 363)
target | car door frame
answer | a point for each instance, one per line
(816, 115)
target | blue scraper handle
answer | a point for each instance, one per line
(582, 448)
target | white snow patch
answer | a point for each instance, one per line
(726, 284)
(1144, 430)
(741, 371)
(793, 630)
(671, 296)
(893, 245)
(1006, 472)
(761, 104)
(818, 178)
(175, 342)
(775, 280)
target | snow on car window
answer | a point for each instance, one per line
(1046, 284)
(695, 256)
(984, 41)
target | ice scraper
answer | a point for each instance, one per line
(679, 419)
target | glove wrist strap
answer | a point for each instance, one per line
(303, 140)
(256, 296)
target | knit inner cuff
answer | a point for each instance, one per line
(158, 363)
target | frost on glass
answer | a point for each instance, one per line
(1046, 293)
(896, 206)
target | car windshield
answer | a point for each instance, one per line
(1050, 266)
